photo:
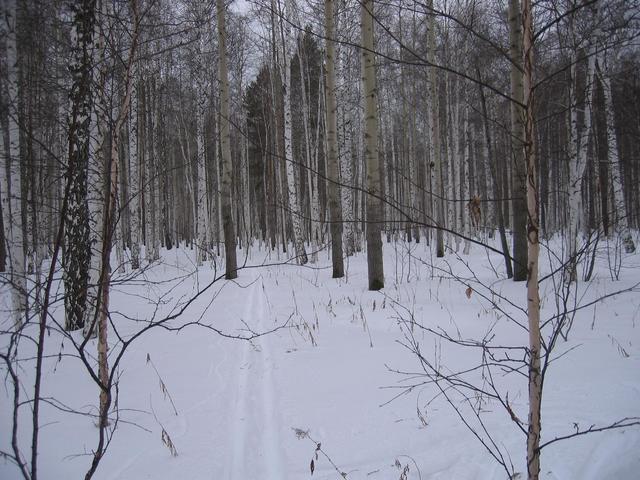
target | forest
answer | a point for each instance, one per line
(319, 239)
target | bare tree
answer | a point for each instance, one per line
(225, 147)
(335, 210)
(10, 173)
(370, 94)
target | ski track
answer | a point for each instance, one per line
(271, 448)
(237, 426)
(254, 426)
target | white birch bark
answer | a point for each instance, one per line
(11, 177)
(134, 179)
(96, 177)
(533, 252)
(579, 140)
(201, 189)
(286, 47)
(345, 155)
(202, 221)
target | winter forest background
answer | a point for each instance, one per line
(343, 239)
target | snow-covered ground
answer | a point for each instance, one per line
(254, 409)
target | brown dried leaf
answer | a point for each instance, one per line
(313, 466)
(469, 291)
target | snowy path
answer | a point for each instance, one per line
(254, 427)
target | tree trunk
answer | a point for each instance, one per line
(346, 155)
(225, 143)
(517, 135)
(533, 232)
(77, 251)
(465, 179)
(579, 141)
(335, 208)
(434, 137)
(373, 204)
(97, 174)
(286, 49)
(134, 179)
(492, 162)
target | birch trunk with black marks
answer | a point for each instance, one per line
(77, 251)
(533, 251)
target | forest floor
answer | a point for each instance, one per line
(330, 373)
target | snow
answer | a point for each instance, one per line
(331, 371)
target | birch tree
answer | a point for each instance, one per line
(579, 139)
(374, 206)
(96, 174)
(434, 136)
(225, 144)
(202, 209)
(346, 154)
(77, 252)
(135, 197)
(335, 211)
(286, 48)
(518, 204)
(533, 235)
(10, 175)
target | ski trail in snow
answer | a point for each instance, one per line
(271, 447)
(238, 424)
(254, 427)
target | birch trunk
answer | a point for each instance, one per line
(517, 135)
(96, 176)
(465, 179)
(335, 209)
(225, 143)
(373, 204)
(286, 50)
(579, 141)
(77, 252)
(134, 172)
(11, 177)
(346, 157)
(107, 242)
(310, 161)
(533, 232)
(151, 183)
(434, 137)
